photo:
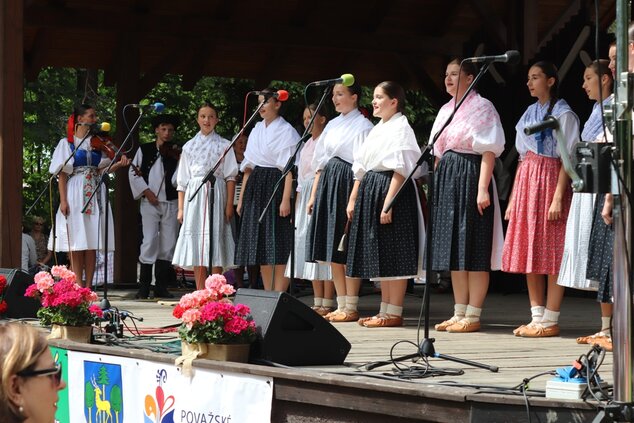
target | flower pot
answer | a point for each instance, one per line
(238, 353)
(72, 333)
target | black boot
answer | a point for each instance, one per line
(161, 275)
(145, 279)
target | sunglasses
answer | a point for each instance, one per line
(55, 373)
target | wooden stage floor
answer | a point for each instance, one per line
(517, 358)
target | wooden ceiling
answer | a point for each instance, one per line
(297, 40)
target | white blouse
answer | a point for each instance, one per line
(156, 178)
(200, 154)
(341, 138)
(305, 169)
(270, 146)
(390, 145)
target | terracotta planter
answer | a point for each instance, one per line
(72, 333)
(238, 353)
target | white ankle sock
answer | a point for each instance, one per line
(537, 313)
(459, 310)
(329, 303)
(383, 308)
(341, 302)
(317, 302)
(473, 314)
(352, 302)
(605, 323)
(551, 318)
(394, 310)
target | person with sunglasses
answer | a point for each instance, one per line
(29, 378)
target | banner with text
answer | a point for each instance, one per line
(116, 389)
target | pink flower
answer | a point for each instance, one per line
(190, 317)
(94, 309)
(43, 281)
(214, 281)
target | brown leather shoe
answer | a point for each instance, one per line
(322, 311)
(464, 326)
(344, 316)
(362, 320)
(519, 329)
(539, 331)
(389, 320)
(441, 327)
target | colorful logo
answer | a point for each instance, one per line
(103, 396)
(159, 409)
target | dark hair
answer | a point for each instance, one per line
(354, 89)
(550, 70)
(81, 110)
(269, 93)
(601, 67)
(207, 103)
(325, 110)
(394, 91)
(167, 120)
(469, 68)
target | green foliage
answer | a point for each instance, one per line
(103, 378)
(89, 395)
(116, 399)
(49, 100)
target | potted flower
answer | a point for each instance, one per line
(66, 306)
(3, 287)
(213, 327)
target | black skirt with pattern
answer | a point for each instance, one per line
(268, 242)
(378, 250)
(329, 218)
(461, 240)
(600, 252)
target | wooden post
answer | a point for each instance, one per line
(11, 110)
(125, 208)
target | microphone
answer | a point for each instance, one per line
(157, 107)
(511, 57)
(280, 95)
(346, 80)
(97, 127)
(548, 123)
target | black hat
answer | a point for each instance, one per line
(165, 118)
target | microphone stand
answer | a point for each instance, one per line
(287, 168)
(426, 347)
(37, 200)
(105, 303)
(209, 177)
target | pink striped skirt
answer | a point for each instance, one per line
(534, 244)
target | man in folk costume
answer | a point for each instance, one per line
(151, 180)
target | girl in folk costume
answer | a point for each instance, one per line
(467, 224)
(597, 263)
(539, 204)
(386, 246)
(81, 233)
(198, 157)
(334, 154)
(319, 274)
(270, 145)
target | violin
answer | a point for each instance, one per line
(170, 150)
(104, 144)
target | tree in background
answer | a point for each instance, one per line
(50, 99)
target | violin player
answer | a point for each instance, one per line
(152, 181)
(80, 165)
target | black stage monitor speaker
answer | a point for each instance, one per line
(19, 306)
(290, 332)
